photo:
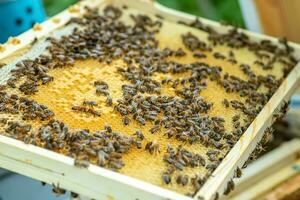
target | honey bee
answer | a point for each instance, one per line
(81, 163)
(152, 147)
(166, 178)
(126, 121)
(182, 180)
(90, 103)
(56, 189)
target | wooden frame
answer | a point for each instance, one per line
(99, 183)
(268, 171)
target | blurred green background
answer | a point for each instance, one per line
(219, 10)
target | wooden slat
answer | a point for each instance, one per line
(247, 143)
(280, 17)
(266, 166)
(260, 189)
(94, 182)
(287, 190)
(269, 10)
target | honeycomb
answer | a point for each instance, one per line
(73, 85)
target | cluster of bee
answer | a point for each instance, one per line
(260, 147)
(193, 43)
(33, 110)
(178, 159)
(53, 134)
(262, 49)
(9, 103)
(104, 145)
(35, 73)
(183, 116)
(29, 109)
(17, 130)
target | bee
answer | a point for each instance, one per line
(56, 189)
(108, 128)
(218, 55)
(212, 166)
(212, 152)
(180, 53)
(81, 163)
(238, 172)
(205, 140)
(116, 164)
(179, 165)
(212, 157)
(193, 43)
(94, 112)
(182, 180)
(103, 84)
(259, 63)
(166, 178)
(236, 124)
(79, 108)
(154, 129)
(197, 182)
(109, 100)
(74, 195)
(3, 120)
(122, 110)
(232, 61)
(236, 117)
(90, 103)
(139, 135)
(141, 120)
(152, 147)
(231, 54)
(230, 187)
(126, 120)
(11, 84)
(199, 55)
(47, 79)
(166, 80)
(100, 90)
(34, 41)
(216, 196)
(226, 103)
(102, 158)
(28, 87)
(138, 144)
(90, 151)
(201, 160)
(159, 16)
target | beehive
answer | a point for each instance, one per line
(73, 85)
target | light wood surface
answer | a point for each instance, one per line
(280, 18)
(273, 168)
(287, 190)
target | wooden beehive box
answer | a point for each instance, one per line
(139, 179)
